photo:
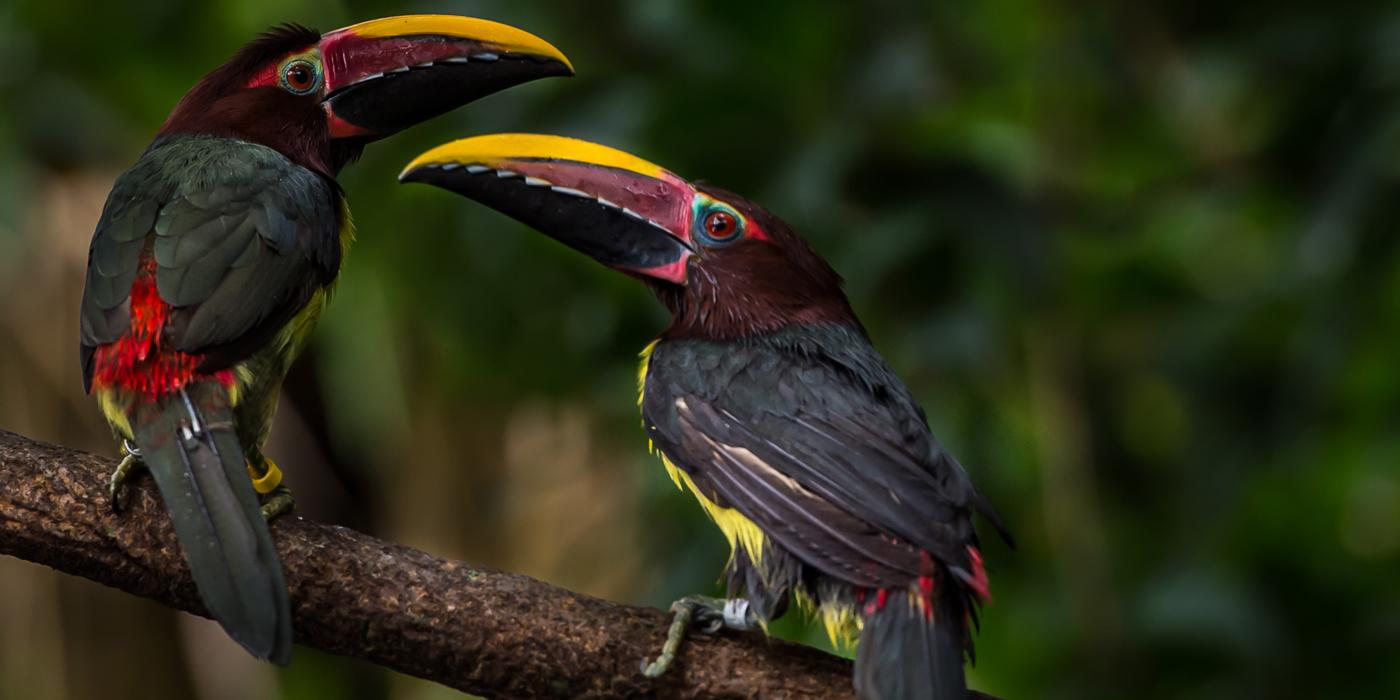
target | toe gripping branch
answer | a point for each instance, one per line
(708, 615)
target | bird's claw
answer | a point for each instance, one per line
(708, 615)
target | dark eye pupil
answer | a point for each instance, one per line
(720, 224)
(298, 76)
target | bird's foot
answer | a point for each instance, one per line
(116, 486)
(277, 498)
(278, 503)
(707, 614)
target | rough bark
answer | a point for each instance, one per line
(478, 630)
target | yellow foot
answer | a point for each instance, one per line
(116, 486)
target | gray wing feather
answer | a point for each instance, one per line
(241, 238)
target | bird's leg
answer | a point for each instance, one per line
(709, 615)
(116, 486)
(277, 498)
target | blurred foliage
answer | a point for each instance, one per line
(1138, 260)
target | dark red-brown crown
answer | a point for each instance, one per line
(222, 103)
(759, 284)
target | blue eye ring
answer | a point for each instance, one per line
(300, 76)
(719, 226)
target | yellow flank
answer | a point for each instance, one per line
(114, 410)
(295, 334)
(292, 339)
(645, 354)
(347, 233)
(737, 529)
(841, 622)
(842, 625)
(243, 376)
(509, 39)
(499, 149)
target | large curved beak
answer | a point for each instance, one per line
(612, 206)
(385, 75)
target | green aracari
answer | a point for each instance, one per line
(767, 401)
(216, 252)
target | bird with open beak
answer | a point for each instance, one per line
(767, 401)
(216, 251)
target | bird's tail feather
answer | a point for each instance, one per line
(188, 443)
(905, 653)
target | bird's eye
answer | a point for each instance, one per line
(720, 226)
(300, 77)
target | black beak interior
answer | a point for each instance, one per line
(604, 231)
(394, 101)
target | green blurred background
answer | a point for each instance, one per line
(1139, 262)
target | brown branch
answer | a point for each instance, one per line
(474, 629)
(471, 628)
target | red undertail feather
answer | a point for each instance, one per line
(136, 362)
(881, 597)
(927, 584)
(978, 581)
(926, 596)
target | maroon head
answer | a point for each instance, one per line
(319, 98)
(724, 266)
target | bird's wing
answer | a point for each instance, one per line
(838, 469)
(241, 238)
(114, 258)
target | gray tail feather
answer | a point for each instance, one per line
(188, 443)
(905, 655)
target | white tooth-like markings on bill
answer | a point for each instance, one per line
(477, 169)
(485, 57)
(572, 192)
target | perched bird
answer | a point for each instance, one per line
(766, 400)
(216, 251)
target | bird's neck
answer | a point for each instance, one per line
(751, 316)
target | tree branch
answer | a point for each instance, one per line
(474, 629)
(471, 628)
